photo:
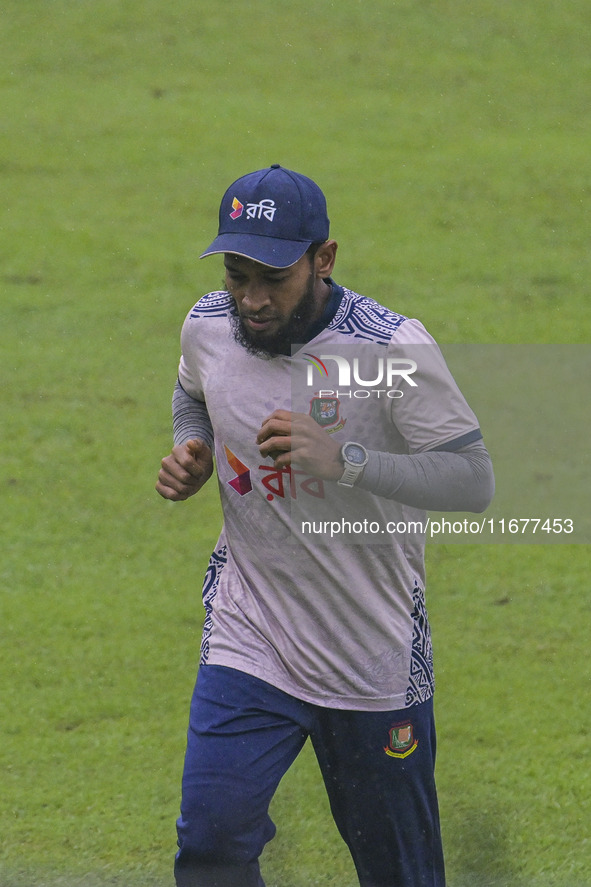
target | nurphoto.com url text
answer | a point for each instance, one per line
(495, 526)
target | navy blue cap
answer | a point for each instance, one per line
(271, 216)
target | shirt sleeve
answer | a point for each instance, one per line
(446, 466)
(190, 418)
(435, 481)
(431, 412)
(189, 365)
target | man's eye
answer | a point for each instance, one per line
(235, 277)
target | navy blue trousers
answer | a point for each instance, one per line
(377, 767)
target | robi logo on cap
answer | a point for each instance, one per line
(265, 208)
(238, 209)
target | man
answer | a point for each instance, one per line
(319, 404)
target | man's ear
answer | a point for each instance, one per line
(325, 258)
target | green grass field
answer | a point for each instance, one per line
(452, 140)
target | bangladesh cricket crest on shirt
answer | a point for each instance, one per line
(326, 411)
(402, 741)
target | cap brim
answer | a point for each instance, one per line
(266, 250)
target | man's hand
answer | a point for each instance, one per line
(288, 438)
(184, 472)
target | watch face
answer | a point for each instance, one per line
(355, 454)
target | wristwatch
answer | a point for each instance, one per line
(355, 458)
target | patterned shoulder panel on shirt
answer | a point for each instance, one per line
(365, 318)
(217, 304)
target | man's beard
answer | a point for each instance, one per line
(292, 331)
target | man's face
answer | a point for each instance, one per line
(275, 305)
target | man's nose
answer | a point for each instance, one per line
(255, 297)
